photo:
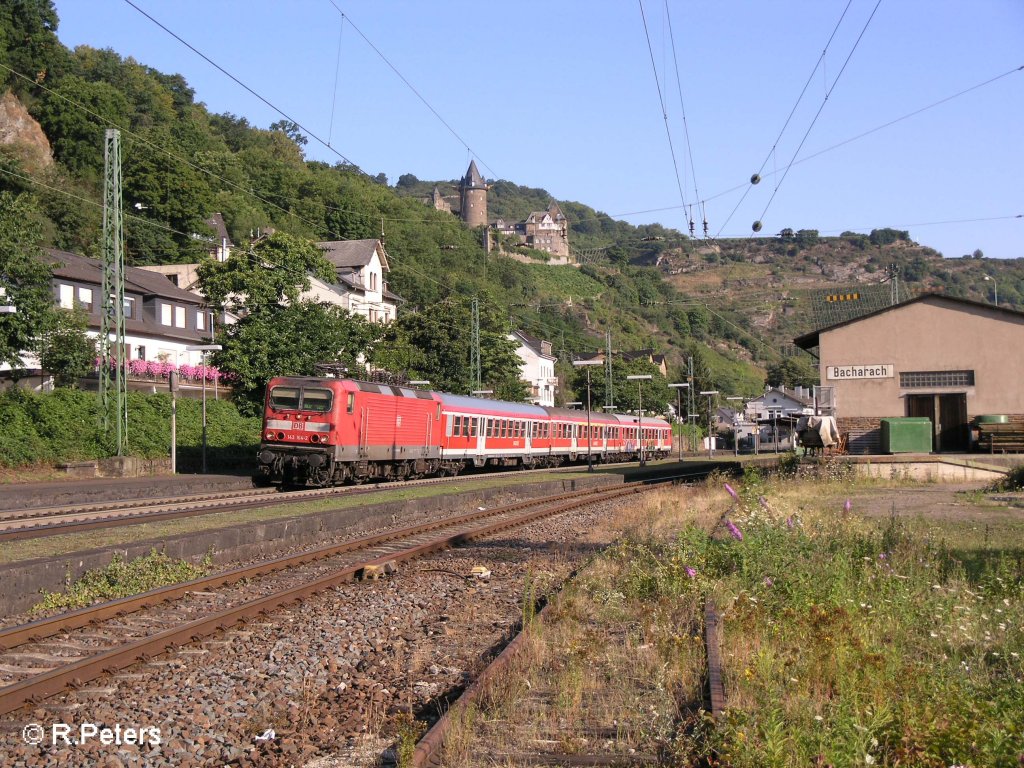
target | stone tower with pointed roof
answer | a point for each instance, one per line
(473, 197)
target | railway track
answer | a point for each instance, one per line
(37, 522)
(593, 751)
(45, 657)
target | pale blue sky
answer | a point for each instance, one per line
(562, 95)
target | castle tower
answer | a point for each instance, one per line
(473, 197)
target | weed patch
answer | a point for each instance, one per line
(122, 578)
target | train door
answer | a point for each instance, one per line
(477, 428)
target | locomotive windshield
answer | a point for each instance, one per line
(301, 399)
(318, 400)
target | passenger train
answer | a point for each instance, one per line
(323, 431)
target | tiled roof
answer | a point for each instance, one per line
(353, 253)
(85, 270)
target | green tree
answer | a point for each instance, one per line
(271, 272)
(657, 395)
(290, 341)
(65, 349)
(24, 278)
(791, 372)
(28, 42)
(435, 344)
(885, 236)
(76, 136)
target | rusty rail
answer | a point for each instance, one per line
(56, 680)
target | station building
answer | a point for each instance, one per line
(944, 358)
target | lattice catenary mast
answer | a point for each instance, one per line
(113, 374)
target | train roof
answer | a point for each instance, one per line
(482, 404)
(628, 418)
(350, 385)
(597, 417)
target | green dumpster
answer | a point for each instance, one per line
(911, 434)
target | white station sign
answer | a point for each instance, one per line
(869, 371)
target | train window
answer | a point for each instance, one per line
(351, 402)
(519, 429)
(487, 427)
(284, 398)
(472, 427)
(318, 400)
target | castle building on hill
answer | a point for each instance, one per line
(438, 202)
(546, 230)
(473, 197)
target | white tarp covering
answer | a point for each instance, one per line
(817, 431)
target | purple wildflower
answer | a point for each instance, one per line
(768, 581)
(789, 522)
(881, 556)
(735, 532)
(762, 501)
(847, 506)
(691, 572)
(731, 492)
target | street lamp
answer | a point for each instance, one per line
(711, 424)
(640, 379)
(587, 364)
(735, 430)
(995, 288)
(204, 348)
(679, 409)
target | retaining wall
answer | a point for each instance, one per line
(22, 582)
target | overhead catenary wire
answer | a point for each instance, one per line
(664, 110)
(818, 64)
(682, 108)
(412, 88)
(98, 204)
(337, 72)
(262, 98)
(824, 101)
(246, 190)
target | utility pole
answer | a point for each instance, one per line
(475, 374)
(609, 396)
(112, 351)
(690, 407)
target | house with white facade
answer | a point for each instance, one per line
(161, 321)
(777, 403)
(361, 268)
(538, 367)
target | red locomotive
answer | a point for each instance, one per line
(323, 431)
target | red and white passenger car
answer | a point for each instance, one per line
(322, 431)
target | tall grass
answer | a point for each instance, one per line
(849, 643)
